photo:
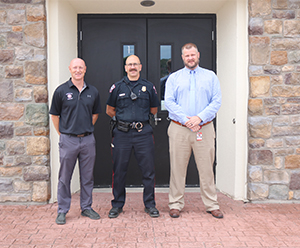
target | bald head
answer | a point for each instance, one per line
(133, 58)
(77, 61)
(77, 69)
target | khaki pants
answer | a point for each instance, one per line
(182, 142)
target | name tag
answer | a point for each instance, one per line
(199, 136)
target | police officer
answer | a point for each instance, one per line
(74, 111)
(132, 101)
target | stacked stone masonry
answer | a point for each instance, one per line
(274, 100)
(24, 121)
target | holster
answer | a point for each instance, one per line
(112, 125)
(152, 120)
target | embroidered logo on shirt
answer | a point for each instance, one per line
(112, 88)
(69, 96)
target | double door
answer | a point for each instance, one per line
(105, 41)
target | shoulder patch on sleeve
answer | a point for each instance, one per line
(112, 88)
(155, 89)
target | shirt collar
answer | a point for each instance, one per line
(70, 84)
(197, 69)
(126, 80)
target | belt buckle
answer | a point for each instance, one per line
(80, 135)
(138, 126)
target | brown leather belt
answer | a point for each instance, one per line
(178, 123)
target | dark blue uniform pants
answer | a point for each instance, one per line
(143, 145)
(71, 148)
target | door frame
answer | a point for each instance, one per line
(232, 64)
(209, 25)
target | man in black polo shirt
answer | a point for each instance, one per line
(132, 100)
(74, 111)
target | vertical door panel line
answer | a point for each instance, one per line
(147, 59)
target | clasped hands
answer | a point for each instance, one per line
(193, 123)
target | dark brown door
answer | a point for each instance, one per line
(106, 40)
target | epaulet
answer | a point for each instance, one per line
(116, 84)
(121, 81)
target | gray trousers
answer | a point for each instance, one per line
(70, 149)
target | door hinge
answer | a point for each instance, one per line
(80, 35)
(212, 35)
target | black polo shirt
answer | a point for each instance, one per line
(75, 109)
(127, 109)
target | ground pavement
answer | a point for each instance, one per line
(244, 225)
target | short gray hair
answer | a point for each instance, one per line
(189, 46)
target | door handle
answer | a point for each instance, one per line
(157, 120)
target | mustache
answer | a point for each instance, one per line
(133, 70)
(196, 61)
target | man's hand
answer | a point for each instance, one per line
(193, 123)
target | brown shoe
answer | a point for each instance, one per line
(174, 213)
(216, 213)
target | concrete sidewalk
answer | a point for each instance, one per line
(244, 225)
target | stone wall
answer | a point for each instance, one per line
(274, 100)
(24, 124)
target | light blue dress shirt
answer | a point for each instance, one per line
(208, 95)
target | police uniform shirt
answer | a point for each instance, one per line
(75, 109)
(133, 110)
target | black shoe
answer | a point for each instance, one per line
(114, 212)
(91, 214)
(153, 212)
(61, 219)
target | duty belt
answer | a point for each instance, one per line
(125, 126)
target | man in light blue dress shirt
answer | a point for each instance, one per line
(192, 97)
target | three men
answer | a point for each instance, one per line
(133, 101)
(74, 111)
(192, 97)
